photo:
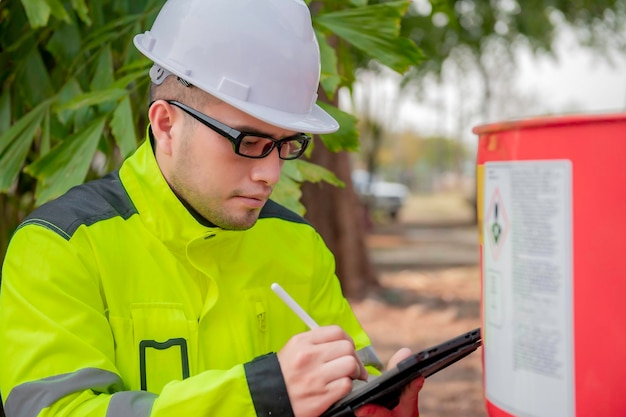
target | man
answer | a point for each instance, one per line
(147, 292)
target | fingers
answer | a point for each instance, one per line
(345, 366)
(326, 334)
(407, 407)
(408, 404)
(335, 344)
(318, 367)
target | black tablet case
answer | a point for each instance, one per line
(386, 389)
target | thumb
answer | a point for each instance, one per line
(397, 357)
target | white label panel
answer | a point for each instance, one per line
(527, 284)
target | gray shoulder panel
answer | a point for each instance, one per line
(84, 204)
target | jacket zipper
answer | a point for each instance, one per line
(262, 324)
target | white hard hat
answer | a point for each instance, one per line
(260, 56)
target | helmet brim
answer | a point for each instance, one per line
(318, 121)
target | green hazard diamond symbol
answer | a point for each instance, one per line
(496, 223)
(496, 229)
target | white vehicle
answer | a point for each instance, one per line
(379, 195)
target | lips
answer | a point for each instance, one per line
(253, 200)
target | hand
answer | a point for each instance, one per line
(318, 367)
(408, 405)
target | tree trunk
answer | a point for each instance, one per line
(338, 214)
(340, 218)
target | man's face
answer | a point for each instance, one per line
(227, 189)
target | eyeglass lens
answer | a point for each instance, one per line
(255, 146)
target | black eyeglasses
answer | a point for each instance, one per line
(251, 145)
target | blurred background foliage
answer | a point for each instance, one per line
(74, 91)
(74, 88)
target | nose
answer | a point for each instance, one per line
(267, 170)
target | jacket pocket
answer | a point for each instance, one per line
(161, 342)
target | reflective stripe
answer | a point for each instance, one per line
(27, 400)
(131, 404)
(369, 357)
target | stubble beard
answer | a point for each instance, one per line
(228, 221)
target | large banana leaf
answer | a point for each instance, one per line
(15, 143)
(62, 167)
(375, 31)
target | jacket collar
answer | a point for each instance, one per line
(158, 206)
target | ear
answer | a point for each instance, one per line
(162, 121)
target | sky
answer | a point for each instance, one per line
(577, 82)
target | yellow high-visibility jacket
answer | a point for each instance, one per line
(117, 301)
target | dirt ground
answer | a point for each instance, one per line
(428, 264)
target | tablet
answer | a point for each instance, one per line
(385, 389)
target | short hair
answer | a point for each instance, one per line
(174, 88)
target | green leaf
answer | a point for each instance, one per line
(347, 137)
(329, 77)
(5, 111)
(345, 55)
(45, 141)
(67, 164)
(113, 30)
(287, 191)
(291, 170)
(22, 124)
(70, 90)
(37, 11)
(140, 63)
(103, 75)
(375, 31)
(15, 143)
(123, 128)
(82, 11)
(64, 44)
(33, 79)
(92, 98)
(58, 10)
(123, 82)
(13, 157)
(315, 173)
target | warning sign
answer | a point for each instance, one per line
(497, 222)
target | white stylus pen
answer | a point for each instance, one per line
(294, 306)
